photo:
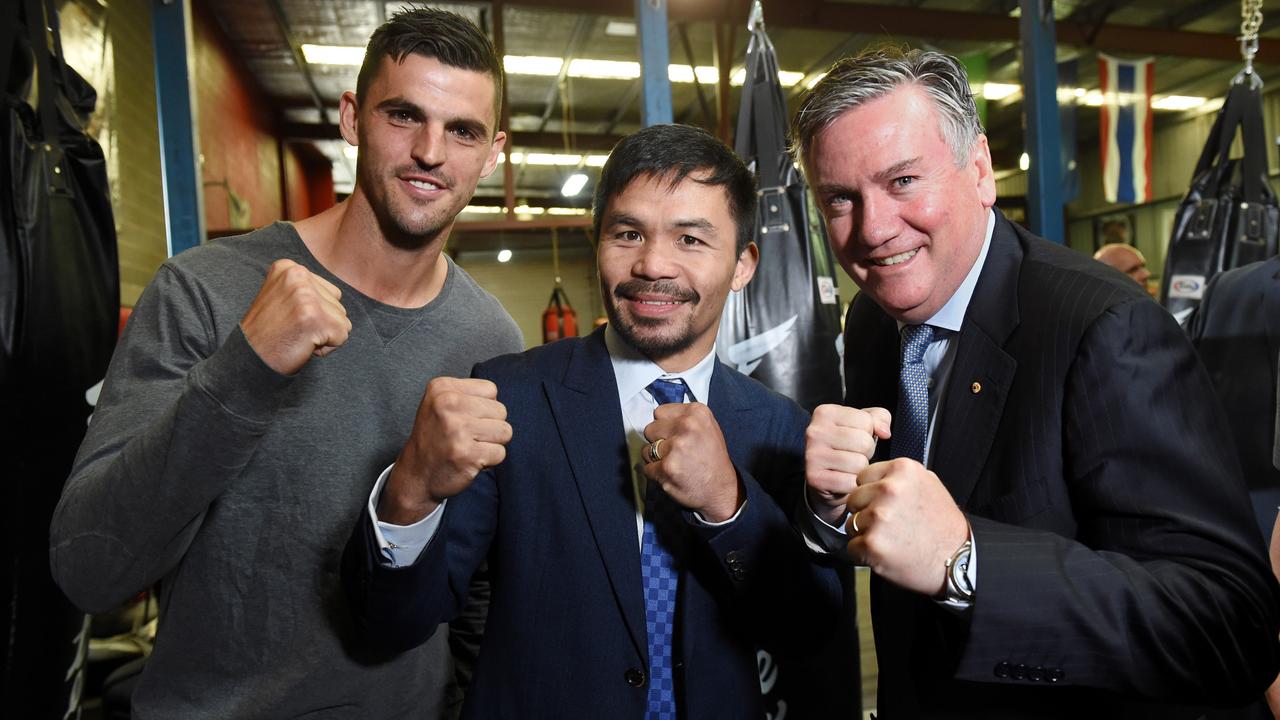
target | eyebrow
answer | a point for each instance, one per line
(412, 109)
(893, 171)
(695, 224)
(684, 223)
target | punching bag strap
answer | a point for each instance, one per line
(1253, 137)
(46, 102)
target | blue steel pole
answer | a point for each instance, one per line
(651, 23)
(1040, 102)
(179, 149)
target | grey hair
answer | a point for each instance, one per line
(853, 81)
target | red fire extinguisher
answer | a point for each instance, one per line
(559, 320)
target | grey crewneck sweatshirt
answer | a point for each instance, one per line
(234, 489)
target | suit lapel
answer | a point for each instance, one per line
(982, 372)
(589, 420)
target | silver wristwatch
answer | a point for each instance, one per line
(958, 588)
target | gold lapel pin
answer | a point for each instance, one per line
(975, 388)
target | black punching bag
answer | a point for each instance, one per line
(59, 310)
(781, 329)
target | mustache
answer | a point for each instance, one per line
(668, 288)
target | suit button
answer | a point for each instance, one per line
(1035, 674)
(635, 677)
(1002, 670)
(731, 557)
(1019, 671)
(677, 664)
(1056, 675)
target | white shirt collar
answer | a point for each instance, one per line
(634, 371)
(951, 316)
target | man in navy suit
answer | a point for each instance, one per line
(1057, 524)
(629, 493)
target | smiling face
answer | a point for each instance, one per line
(903, 219)
(426, 136)
(667, 258)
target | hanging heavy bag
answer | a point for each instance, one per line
(782, 328)
(559, 320)
(1230, 216)
(59, 307)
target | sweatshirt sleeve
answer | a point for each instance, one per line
(180, 415)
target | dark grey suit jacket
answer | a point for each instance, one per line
(1116, 555)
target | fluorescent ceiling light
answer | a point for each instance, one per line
(816, 79)
(504, 255)
(532, 65)
(574, 185)
(1024, 161)
(1177, 102)
(522, 210)
(333, 55)
(620, 28)
(604, 69)
(552, 159)
(999, 91)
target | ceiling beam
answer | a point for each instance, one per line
(893, 20)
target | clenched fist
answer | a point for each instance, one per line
(694, 468)
(838, 444)
(461, 428)
(296, 315)
(907, 525)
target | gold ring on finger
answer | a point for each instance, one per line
(854, 523)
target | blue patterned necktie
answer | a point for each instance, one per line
(911, 421)
(660, 574)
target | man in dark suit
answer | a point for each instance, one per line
(1236, 330)
(637, 545)
(1057, 525)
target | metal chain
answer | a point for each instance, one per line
(1250, 24)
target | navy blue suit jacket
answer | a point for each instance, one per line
(1118, 567)
(557, 523)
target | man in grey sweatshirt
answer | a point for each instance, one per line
(263, 384)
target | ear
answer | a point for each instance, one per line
(348, 115)
(986, 181)
(499, 140)
(748, 260)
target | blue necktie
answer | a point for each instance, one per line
(911, 421)
(660, 573)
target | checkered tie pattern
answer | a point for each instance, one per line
(911, 421)
(660, 574)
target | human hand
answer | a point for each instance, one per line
(693, 465)
(838, 444)
(461, 428)
(296, 315)
(905, 525)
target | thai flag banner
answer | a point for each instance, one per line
(1126, 128)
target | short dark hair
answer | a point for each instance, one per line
(672, 153)
(445, 36)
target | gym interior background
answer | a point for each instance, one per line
(265, 78)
